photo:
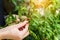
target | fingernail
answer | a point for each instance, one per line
(20, 29)
(24, 26)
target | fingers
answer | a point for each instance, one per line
(26, 28)
(22, 24)
(26, 35)
(24, 31)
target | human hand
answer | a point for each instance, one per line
(15, 32)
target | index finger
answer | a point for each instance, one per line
(22, 24)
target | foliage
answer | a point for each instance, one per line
(10, 19)
(46, 27)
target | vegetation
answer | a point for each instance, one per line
(42, 27)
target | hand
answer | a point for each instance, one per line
(15, 32)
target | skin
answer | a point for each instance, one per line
(13, 32)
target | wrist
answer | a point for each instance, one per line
(2, 34)
(7, 35)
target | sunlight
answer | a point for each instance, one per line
(40, 3)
